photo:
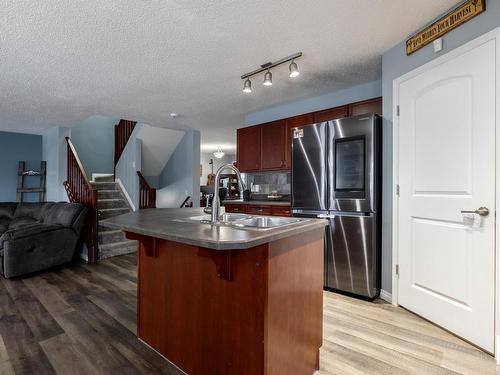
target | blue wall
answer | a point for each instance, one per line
(15, 147)
(126, 169)
(181, 175)
(316, 103)
(395, 63)
(94, 140)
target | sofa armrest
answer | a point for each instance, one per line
(31, 250)
(28, 231)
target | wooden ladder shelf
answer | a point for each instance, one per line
(22, 173)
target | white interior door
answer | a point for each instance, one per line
(446, 165)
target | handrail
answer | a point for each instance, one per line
(80, 190)
(78, 161)
(184, 204)
(147, 194)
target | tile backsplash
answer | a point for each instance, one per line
(264, 183)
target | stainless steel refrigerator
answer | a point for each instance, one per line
(336, 175)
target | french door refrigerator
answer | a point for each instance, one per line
(336, 175)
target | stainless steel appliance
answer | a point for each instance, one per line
(336, 175)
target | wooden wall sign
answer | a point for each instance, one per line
(458, 16)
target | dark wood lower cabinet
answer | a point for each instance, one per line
(258, 210)
(281, 211)
(266, 318)
(236, 208)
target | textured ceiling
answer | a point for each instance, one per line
(64, 60)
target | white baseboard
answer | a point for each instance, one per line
(385, 295)
(84, 253)
(94, 175)
(125, 193)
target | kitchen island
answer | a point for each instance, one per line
(222, 299)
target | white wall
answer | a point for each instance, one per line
(181, 176)
(54, 150)
(395, 63)
(205, 160)
(126, 169)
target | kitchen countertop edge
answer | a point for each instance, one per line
(255, 237)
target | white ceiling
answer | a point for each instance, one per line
(64, 60)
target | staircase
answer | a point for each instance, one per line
(110, 203)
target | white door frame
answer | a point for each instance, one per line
(492, 35)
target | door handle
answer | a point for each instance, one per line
(481, 211)
(325, 216)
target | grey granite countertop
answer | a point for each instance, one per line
(168, 224)
(258, 202)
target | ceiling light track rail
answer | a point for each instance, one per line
(270, 65)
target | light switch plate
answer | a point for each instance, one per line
(438, 45)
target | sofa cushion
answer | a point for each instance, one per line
(27, 231)
(31, 210)
(21, 222)
(60, 213)
(6, 213)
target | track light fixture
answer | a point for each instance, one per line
(268, 79)
(247, 86)
(268, 76)
(294, 70)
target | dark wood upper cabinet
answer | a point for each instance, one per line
(291, 123)
(273, 145)
(331, 114)
(248, 149)
(269, 146)
(367, 106)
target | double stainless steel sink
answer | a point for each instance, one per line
(249, 221)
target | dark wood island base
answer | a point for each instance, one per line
(252, 311)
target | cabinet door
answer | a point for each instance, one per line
(236, 208)
(281, 211)
(248, 149)
(259, 210)
(367, 106)
(291, 123)
(331, 114)
(273, 145)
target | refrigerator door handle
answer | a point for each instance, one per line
(325, 216)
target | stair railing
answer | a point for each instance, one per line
(80, 190)
(186, 202)
(123, 131)
(147, 194)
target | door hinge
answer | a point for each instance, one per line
(397, 190)
(397, 269)
(397, 110)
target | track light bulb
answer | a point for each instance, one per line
(247, 86)
(268, 79)
(294, 70)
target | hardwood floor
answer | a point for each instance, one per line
(75, 320)
(81, 320)
(377, 338)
